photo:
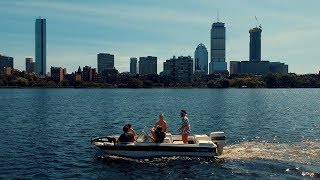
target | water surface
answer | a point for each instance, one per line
(271, 133)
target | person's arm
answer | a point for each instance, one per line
(165, 128)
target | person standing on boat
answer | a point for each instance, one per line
(185, 128)
(161, 122)
(125, 137)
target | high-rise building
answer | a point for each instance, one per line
(201, 58)
(255, 44)
(178, 70)
(147, 65)
(30, 65)
(6, 61)
(255, 65)
(218, 48)
(40, 46)
(133, 65)
(105, 61)
(57, 74)
(87, 73)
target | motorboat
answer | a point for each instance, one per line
(199, 145)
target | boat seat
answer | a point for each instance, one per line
(205, 143)
(202, 137)
(167, 140)
(177, 142)
(168, 135)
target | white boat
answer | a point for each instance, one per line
(200, 145)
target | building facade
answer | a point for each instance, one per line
(40, 46)
(257, 67)
(148, 65)
(30, 65)
(255, 44)
(218, 48)
(57, 74)
(201, 58)
(105, 61)
(6, 61)
(178, 70)
(133, 65)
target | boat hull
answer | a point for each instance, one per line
(157, 150)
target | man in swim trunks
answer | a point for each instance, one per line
(185, 128)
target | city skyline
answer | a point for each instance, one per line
(76, 37)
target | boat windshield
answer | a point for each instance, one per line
(144, 137)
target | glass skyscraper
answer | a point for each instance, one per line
(218, 47)
(201, 58)
(40, 46)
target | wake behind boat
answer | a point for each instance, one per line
(200, 145)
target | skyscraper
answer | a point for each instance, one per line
(218, 47)
(40, 46)
(147, 65)
(133, 65)
(201, 58)
(255, 44)
(105, 61)
(30, 65)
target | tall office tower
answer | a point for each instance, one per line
(147, 65)
(105, 61)
(218, 48)
(30, 65)
(40, 46)
(255, 44)
(133, 65)
(178, 70)
(201, 58)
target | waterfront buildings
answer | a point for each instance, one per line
(133, 65)
(178, 70)
(255, 65)
(57, 73)
(218, 48)
(105, 61)
(6, 61)
(30, 65)
(147, 65)
(201, 58)
(40, 46)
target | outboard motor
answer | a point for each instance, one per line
(218, 138)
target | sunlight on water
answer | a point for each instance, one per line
(307, 152)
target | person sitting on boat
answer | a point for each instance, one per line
(159, 135)
(132, 131)
(185, 128)
(125, 137)
(161, 122)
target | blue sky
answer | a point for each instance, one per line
(79, 29)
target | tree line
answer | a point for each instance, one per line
(156, 81)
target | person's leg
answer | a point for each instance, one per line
(185, 138)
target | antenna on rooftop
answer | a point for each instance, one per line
(258, 23)
(218, 17)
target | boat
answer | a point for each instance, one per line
(199, 145)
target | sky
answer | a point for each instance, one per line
(77, 30)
